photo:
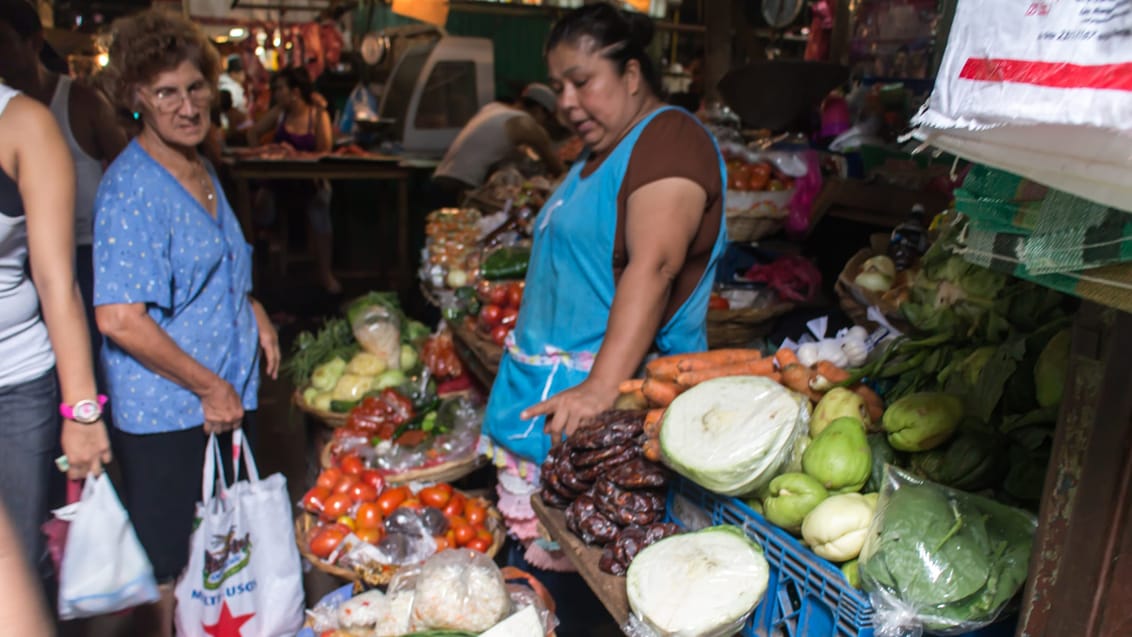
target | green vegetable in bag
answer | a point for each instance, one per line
(953, 558)
(506, 263)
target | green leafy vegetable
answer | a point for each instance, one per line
(334, 339)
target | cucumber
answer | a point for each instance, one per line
(342, 406)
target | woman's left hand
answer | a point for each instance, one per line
(268, 340)
(566, 411)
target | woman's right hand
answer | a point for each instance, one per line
(223, 410)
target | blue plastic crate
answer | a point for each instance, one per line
(806, 595)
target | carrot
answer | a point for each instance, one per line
(652, 449)
(760, 367)
(797, 377)
(652, 422)
(665, 367)
(827, 376)
(631, 385)
(873, 402)
(717, 357)
(660, 392)
(785, 358)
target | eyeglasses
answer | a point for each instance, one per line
(167, 100)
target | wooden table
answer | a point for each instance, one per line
(610, 589)
(373, 167)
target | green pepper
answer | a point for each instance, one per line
(506, 263)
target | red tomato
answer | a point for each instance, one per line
(352, 465)
(369, 515)
(336, 506)
(479, 544)
(716, 302)
(391, 499)
(326, 539)
(490, 315)
(441, 543)
(435, 496)
(515, 295)
(462, 531)
(370, 536)
(497, 295)
(314, 499)
(508, 317)
(346, 484)
(499, 334)
(413, 503)
(363, 492)
(475, 513)
(483, 534)
(374, 479)
(329, 477)
(455, 506)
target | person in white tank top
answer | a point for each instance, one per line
(42, 335)
(89, 126)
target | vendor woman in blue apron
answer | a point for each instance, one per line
(623, 257)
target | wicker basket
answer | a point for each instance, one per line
(379, 575)
(855, 301)
(737, 328)
(328, 418)
(443, 472)
(750, 216)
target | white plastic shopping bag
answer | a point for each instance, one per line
(104, 568)
(244, 576)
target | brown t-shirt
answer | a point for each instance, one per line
(673, 144)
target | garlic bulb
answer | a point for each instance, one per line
(808, 354)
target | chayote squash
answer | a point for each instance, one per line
(792, 496)
(840, 457)
(923, 421)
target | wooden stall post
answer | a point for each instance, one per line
(718, 23)
(1080, 572)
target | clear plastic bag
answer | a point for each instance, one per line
(460, 420)
(460, 590)
(941, 561)
(378, 331)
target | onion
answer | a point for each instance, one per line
(873, 281)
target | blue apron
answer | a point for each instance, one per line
(568, 296)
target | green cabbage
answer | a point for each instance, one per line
(702, 584)
(733, 435)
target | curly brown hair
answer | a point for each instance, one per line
(146, 44)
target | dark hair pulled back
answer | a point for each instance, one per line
(620, 35)
(298, 77)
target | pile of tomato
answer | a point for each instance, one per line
(349, 498)
(500, 308)
(742, 175)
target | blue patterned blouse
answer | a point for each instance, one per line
(155, 244)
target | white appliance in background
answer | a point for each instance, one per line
(434, 89)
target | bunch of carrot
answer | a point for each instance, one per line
(669, 376)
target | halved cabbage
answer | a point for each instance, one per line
(702, 584)
(732, 435)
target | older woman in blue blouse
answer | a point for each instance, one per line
(172, 285)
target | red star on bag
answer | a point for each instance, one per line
(227, 625)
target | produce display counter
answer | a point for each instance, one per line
(610, 589)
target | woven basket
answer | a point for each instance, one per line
(750, 216)
(443, 472)
(737, 328)
(855, 301)
(379, 575)
(328, 418)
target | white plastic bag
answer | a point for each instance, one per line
(104, 567)
(244, 574)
